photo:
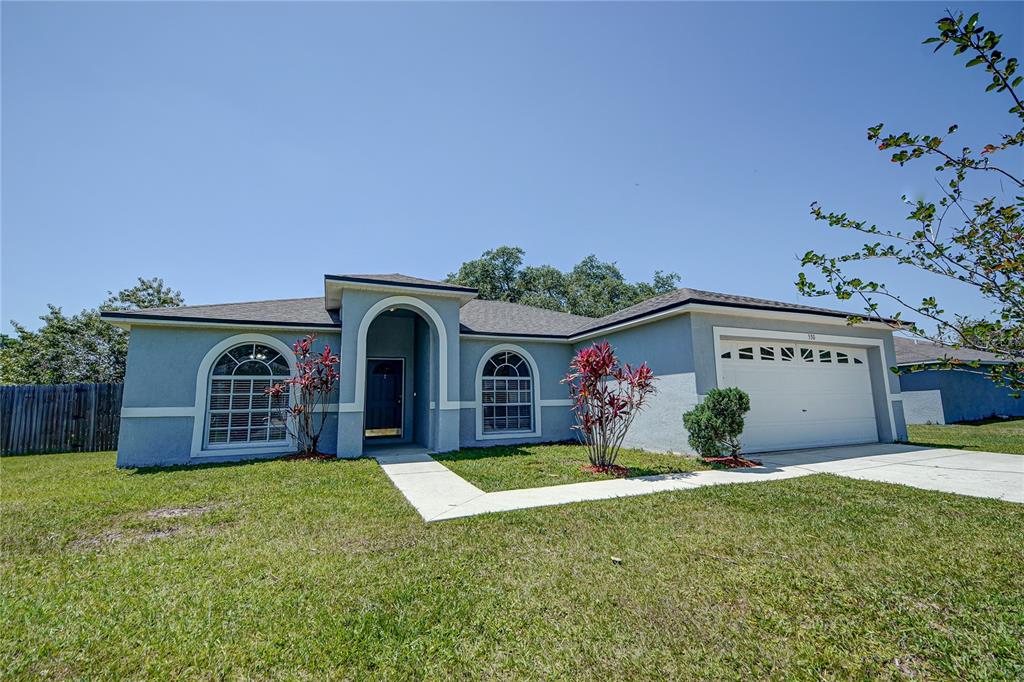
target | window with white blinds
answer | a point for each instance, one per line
(506, 394)
(239, 410)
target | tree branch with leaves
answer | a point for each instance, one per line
(977, 243)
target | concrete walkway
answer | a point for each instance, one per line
(439, 494)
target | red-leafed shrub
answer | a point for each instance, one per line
(311, 386)
(606, 397)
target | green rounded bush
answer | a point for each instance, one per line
(716, 423)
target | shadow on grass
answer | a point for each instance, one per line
(142, 471)
(495, 451)
(1018, 421)
(512, 451)
(941, 444)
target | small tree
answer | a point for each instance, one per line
(715, 424)
(606, 397)
(314, 380)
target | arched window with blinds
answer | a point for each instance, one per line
(506, 394)
(239, 411)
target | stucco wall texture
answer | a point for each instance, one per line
(966, 396)
(443, 412)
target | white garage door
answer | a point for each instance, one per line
(801, 395)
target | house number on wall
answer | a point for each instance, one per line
(810, 337)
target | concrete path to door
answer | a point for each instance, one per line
(439, 494)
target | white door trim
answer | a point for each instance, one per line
(806, 337)
(401, 426)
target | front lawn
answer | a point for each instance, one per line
(988, 435)
(321, 570)
(534, 466)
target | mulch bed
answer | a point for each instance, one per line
(309, 456)
(614, 470)
(733, 462)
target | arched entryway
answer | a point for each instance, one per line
(400, 378)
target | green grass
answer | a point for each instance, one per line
(533, 466)
(990, 435)
(306, 570)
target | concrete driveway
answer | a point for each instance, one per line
(979, 474)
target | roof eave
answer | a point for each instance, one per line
(514, 335)
(716, 307)
(128, 320)
(335, 285)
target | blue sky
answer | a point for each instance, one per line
(241, 151)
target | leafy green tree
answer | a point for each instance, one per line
(80, 348)
(496, 274)
(148, 293)
(965, 236)
(715, 425)
(543, 286)
(593, 288)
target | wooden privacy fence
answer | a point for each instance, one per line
(59, 418)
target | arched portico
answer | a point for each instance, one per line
(427, 312)
(400, 362)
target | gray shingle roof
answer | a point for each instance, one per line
(913, 351)
(476, 316)
(401, 280)
(479, 317)
(684, 296)
(498, 317)
(288, 312)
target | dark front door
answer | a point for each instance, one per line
(384, 398)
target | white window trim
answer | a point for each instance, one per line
(856, 341)
(477, 404)
(203, 395)
(207, 445)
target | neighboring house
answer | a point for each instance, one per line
(428, 363)
(945, 396)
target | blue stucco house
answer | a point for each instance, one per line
(428, 363)
(946, 396)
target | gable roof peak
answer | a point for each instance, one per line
(397, 279)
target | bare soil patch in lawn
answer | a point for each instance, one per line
(115, 537)
(139, 527)
(177, 512)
